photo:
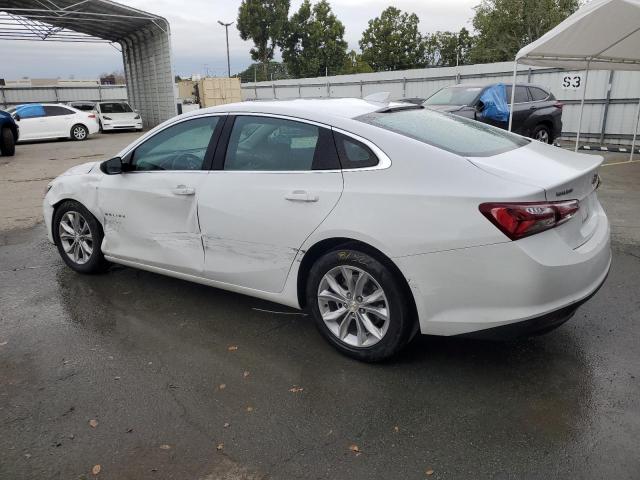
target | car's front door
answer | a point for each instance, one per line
(32, 123)
(273, 184)
(150, 210)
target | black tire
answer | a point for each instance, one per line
(400, 324)
(544, 132)
(7, 143)
(79, 132)
(96, 262)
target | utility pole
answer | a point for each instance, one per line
(226, 28)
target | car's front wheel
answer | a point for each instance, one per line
(79, 132)
(78, 236)
(359, 305)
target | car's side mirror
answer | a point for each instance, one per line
(16, 117)
(113, 166)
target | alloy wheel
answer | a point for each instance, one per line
(542, 136)
(79, 132)
(75, 237)
(353, 306)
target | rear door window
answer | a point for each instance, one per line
(522, 94)
(537, 94)
(55, 111)
(275, 144)
(454, 134)
(354, 154)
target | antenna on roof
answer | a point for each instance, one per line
(379, 97)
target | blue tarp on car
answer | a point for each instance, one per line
(495, 103)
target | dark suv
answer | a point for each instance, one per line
(536, 112)
(8, 134)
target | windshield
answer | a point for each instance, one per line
(454, 134)
(115, 107)
(454, 96)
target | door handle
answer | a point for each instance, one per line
(532, 107)
(301, 196)
(183, 190)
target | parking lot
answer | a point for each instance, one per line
(153, 377)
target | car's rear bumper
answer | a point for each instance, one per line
(468, 290)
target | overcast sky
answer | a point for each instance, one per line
(198, 40)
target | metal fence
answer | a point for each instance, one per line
(17, 95)
(611, 103)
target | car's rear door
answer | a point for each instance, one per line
(274, 181)
(150, 211)
(59, 120)
(522, 107)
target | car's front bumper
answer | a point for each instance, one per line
(468, 290)
(135, 125)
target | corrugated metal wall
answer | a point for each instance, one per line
(17, 95)
(609, 113)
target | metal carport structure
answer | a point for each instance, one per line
(143, 38)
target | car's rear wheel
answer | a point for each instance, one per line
(7, 143)
(359, 305)
(542, 134)
(78, 236)
(79, 132)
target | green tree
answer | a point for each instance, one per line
(313, 42)
(354, 64)
(448, 49)
(505, 26)
(261, 72)
(262, 21)
(392, 41)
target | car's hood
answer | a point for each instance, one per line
(121, 116)
(81, 169)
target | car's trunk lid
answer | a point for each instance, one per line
(564, 175)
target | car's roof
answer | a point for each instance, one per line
(507, 84)
(313, 109)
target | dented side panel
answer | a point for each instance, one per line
(148, 220)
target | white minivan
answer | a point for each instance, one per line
(39, 121)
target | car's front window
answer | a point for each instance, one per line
(115, 107)
(454, 96)
(454, 134)
(180, 147)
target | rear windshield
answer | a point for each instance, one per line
(458, 135)
(454, 96)
(115, 108)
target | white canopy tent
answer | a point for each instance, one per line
(602, 35)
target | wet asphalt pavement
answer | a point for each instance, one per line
(147, 356)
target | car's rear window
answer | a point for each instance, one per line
(458, 135)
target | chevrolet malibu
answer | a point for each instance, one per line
(382, 219)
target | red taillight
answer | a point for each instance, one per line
(521, 219)
(558, 105)
(91, 115)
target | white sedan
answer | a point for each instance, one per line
(117, 116)
(381, 219)
(39, 121)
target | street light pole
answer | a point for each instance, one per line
(226, 27)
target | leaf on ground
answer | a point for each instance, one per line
(222, 386)
(249, 409)
(232, 348)
(429, 472)
(93, 423)
(355, 449)
(96, 469)
(2, 344)
(227, 425)
(396, 429)
(165, 447)
(295, 389)
(245, 374)
(220, 446)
